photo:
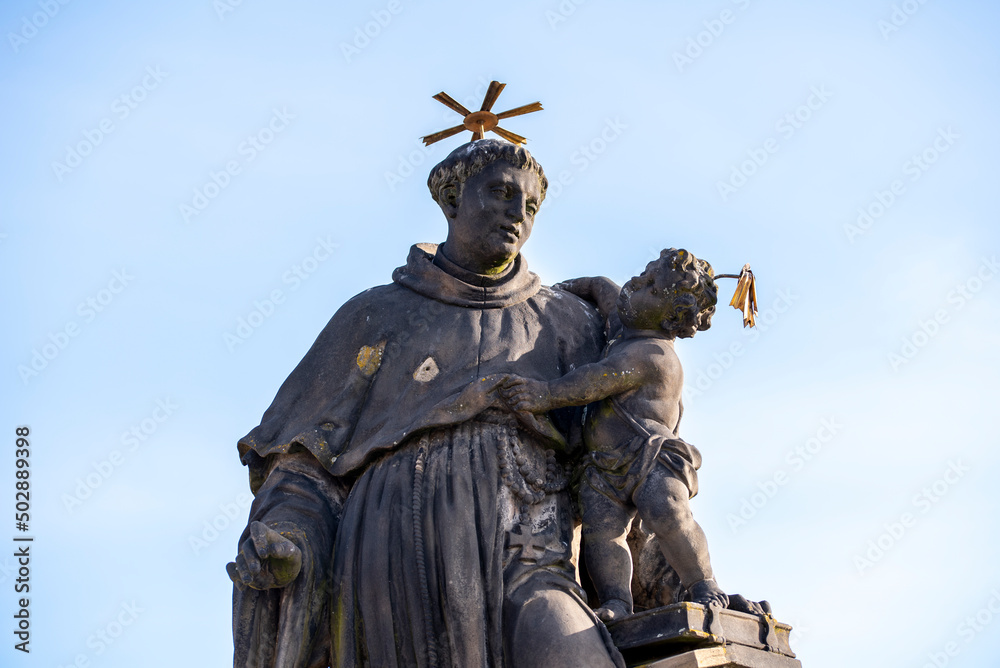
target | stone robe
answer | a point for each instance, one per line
(422, 507)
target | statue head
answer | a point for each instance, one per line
(489, 190)
(449, 176)
(675, 293)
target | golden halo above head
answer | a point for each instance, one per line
(482, 121)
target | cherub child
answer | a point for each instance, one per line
(635, 460)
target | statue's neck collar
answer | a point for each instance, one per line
(442, 260)
(430, 273)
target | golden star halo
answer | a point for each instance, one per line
(482, 121)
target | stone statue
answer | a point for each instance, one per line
(635, 460)
(413, 476)
(403, 514)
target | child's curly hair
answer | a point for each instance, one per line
(691, 286)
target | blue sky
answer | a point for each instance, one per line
(846, 150)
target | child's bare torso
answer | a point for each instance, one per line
(655, 403)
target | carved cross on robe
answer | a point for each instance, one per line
(532, 545)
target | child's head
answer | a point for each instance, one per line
(675, 293)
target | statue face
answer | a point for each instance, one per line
(492, 218)
(641, 303)
(651, 297)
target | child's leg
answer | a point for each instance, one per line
(662, 502)
(609, 562)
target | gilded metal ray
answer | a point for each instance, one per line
(444, 134)
(517, 111)
(492, 93)
(451, 103)
(509, 136)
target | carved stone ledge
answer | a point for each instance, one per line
(723, 656)
(689, 634)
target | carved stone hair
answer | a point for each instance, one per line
(469, 159)
(694, 293)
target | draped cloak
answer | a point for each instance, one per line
(418, 512)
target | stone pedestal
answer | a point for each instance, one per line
(689, 635)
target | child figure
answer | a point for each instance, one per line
(635, 460)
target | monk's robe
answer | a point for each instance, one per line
(421, 505)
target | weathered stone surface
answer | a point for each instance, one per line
(413, 478)
(683, 627)
(728, 656)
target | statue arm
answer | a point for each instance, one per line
(297, 492)
(591, 382)
(282, 571)
(600, 291)
(281, 576)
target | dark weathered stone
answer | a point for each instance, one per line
(635, 461)
(412, 477)
(681, 627)
(723, 656)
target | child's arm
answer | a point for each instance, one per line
(600, 291)
(622, 371)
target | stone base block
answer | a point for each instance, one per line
(684, 635)
(725, 656)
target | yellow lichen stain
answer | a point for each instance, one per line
(370, 358)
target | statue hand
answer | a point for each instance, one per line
(525, 394)
(480, 394)
(266, 560)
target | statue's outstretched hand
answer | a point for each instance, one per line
(480, 394)
(266, 559)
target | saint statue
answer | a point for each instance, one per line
(404, 514)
